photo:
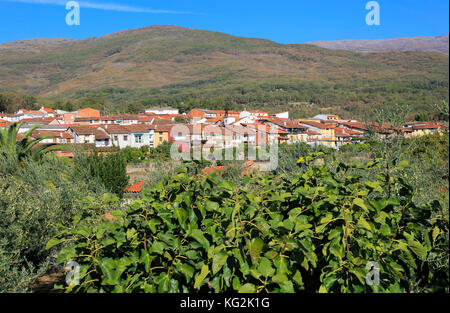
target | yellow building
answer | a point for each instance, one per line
(162, 134)
(326, 130)
(417, 129)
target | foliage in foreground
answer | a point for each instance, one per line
(109, 170)
(26, 147)
(34, 198)
(315, 232)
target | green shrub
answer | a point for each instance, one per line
(315, 232)
(34, 198)
(109, 170)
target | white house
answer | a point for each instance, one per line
(135, 136)
(255, 114)
(118, 134)
(327, 117)
(162, 111)
(237, 134)
(244, 120)
(126, 119)
(11, 117)
(89, 135)
(141, 135)
(282, 115)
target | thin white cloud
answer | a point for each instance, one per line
(101, 6)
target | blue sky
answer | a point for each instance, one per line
(283, 21)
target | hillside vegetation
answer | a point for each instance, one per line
(187, 68)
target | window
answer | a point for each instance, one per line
(116, 138)
(125, 138)
(138, 138)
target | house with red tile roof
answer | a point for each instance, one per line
(87, 112)
(31, 113)
(41, 121)
(121, 119)
(356, 126)
(361, 129)
(253, 114)
(145, 119)
(268, 133)
(344, 137)
(214, 136)
(327, 117)
(296, 132)
(236, 135)
(48, 111)
(4, 123)
(227, 116)
(94, 120)
(243, 120)
(89, 135)
(136, 135)
(214, 121)
(200, 115)
(326, 129)
(61, 137)
(416, 129)
(162, 110)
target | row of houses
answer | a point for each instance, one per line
(108, 135)
(201, 127)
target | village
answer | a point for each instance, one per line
(201, 127)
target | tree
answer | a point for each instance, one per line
(109, 169)
(422, 117)
(180, 119)
(26, 146)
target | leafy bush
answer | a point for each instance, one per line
(109, 170)
(288, 156)
(315, 232)
(132, 154)
(34, 198)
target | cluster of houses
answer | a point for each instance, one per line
(201, 127)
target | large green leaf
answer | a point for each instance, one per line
(187, 270)
(247, 288)
(265, 267)
(201, 276)
(417, 248)
(218, 261)
(255, 248)
(53, 242)
(198, 235)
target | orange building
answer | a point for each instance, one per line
(69, 118)
(88, 113)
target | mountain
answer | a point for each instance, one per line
(187, 67)
(434, 44)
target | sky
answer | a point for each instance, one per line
(283, 21)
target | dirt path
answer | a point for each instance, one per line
(45, 283)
